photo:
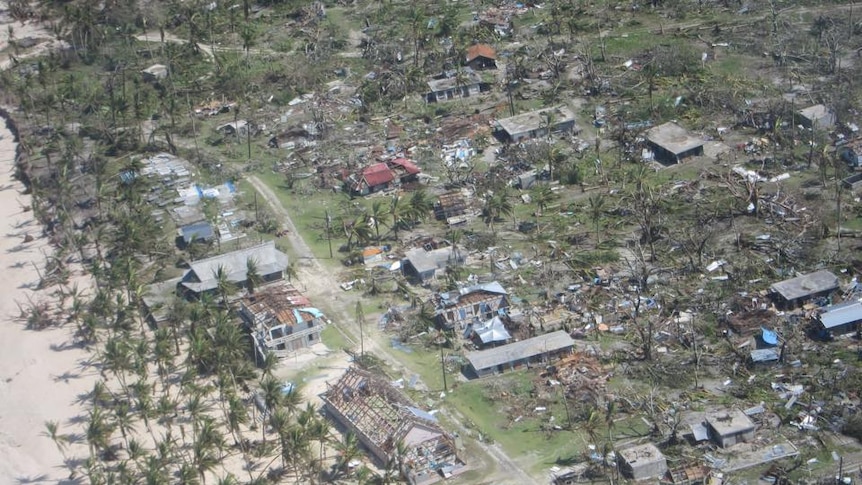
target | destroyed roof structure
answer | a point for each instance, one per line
(281, 320)
(490, 333)
(536, 349)
(686, 475)
(381, 417)
(481, 56)
(797, 291)
(643, 461)
(421, 265)
(729, 427)
(470, 304)
(536, 124)
(461, 85)
(380, 176)
(842, 318)
(451, 207)
(202, 274)
(817, 117)
(672, 143)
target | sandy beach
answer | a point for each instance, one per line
(41, 374)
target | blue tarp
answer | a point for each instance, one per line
(769, 336)
(314, 312)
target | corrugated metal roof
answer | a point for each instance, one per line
(806, 285)
(843, 314)
(377, 174)
(486, 359)
(483, 50)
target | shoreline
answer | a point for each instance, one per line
(44, 373)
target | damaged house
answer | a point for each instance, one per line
(727, 428)
(672, 143)
(421, 265)
(488, 334)
(818, 117)
(281, 320)
(536, 124)
(452, 208)
(462, 84)
(541, 349)
(481, 56)
(382, 417)
(381, 176)
(457, 308)
(802, 289)
(202, 275)
(840, 319)
(643, 462)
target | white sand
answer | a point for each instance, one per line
(41, 377)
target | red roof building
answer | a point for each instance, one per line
(380, 176)
(481, 56)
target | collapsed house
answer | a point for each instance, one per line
(281, 320)
(381, 176)
(802, 289)
(382, 417)
(203, 275)
(672, 143)
(541, 349)
(475, 303)
(452, 208)
(643, 462)
(536, 124)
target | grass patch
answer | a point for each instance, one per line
(334, 339)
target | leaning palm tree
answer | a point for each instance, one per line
(348, 450)
(60, 440)
(375, 218)
(223, 283)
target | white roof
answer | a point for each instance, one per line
(202, 274)
(551, 342)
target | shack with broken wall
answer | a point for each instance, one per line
(729, 427)
(540, 349)
(381, 417)
(643, 462)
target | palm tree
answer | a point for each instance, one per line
(398, 213)
(497, 205)
(348, 450)
(61, 440)
(98, 431)
(420, 205)
(223, 283)
(596, 211)
(253, 277)
(375, 218)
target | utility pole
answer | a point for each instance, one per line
(328, 237)
(360, 320)
(443, 369)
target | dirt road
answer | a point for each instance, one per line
(321, 286)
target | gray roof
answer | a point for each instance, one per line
(729, 422)
(201, 276)
(470, 79)
(761, 356)
(424, 261)
(673, 138)
(493, 331)
(818, 113)
(199, 230)
(806, 285)
(452, 297)
(642, 455)
(535, 119)
(838, 315)
(485, 359)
